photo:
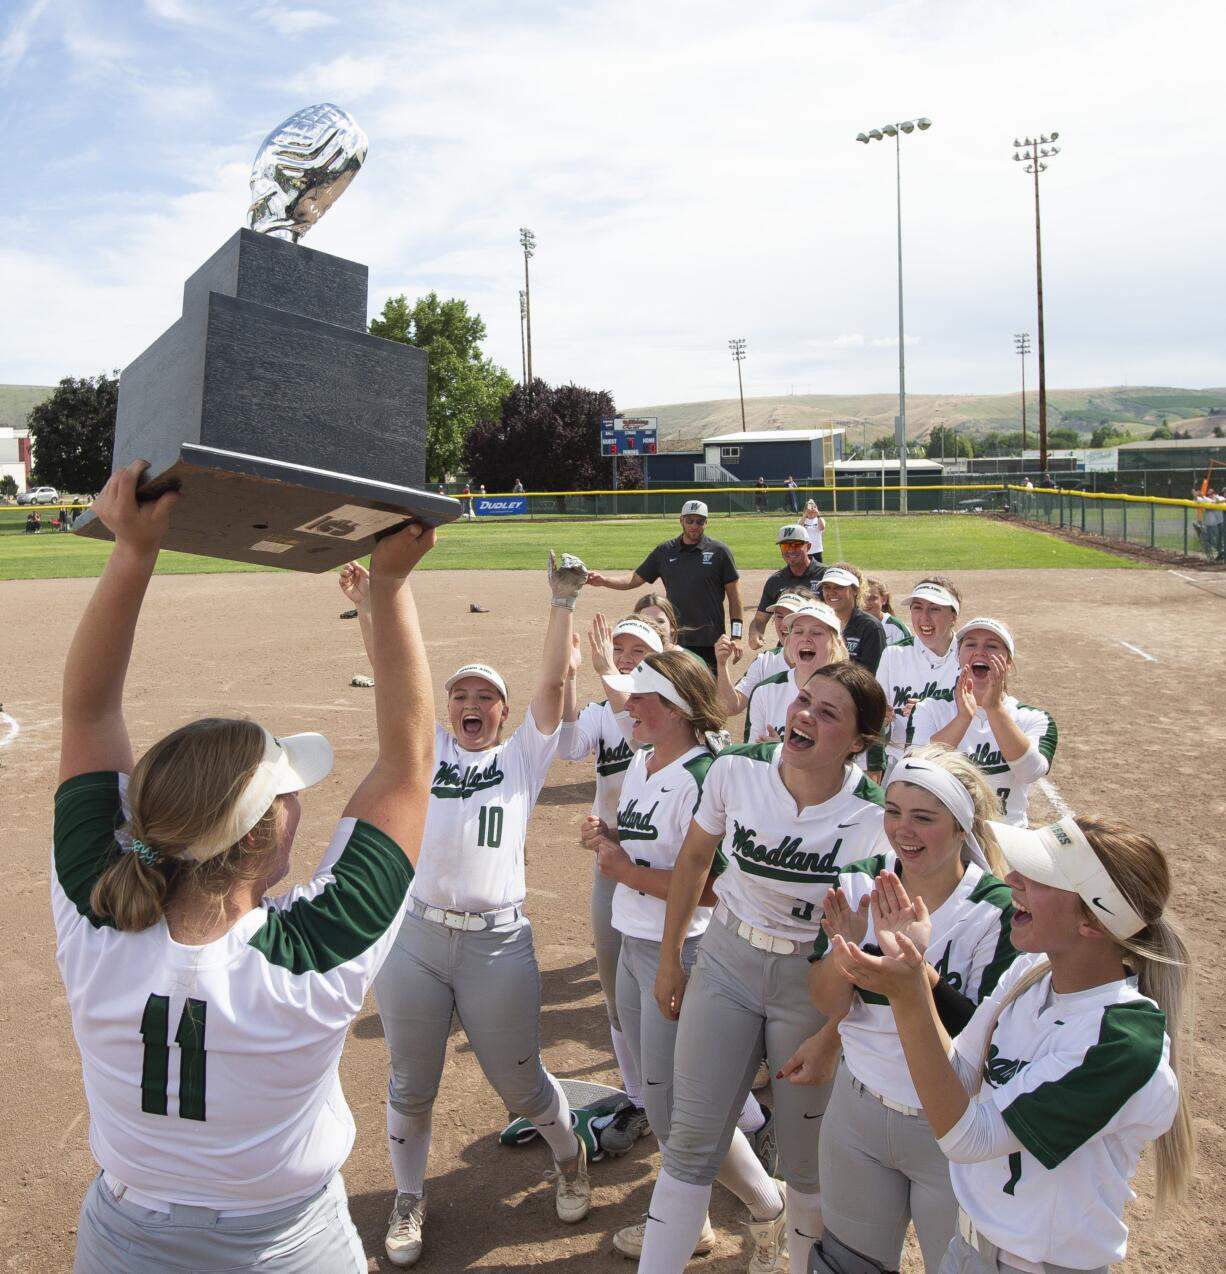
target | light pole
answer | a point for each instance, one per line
(1021, 343)
(527, 241)
(523, 347)
(738, 352)
(1032, 152)
(875, 135)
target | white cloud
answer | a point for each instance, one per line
(289, 21)
(16, 41)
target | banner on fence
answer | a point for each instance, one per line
(501, 506)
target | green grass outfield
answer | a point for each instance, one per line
(927, 542)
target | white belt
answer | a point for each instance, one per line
(466, 920)
(970, 1235)
(914, 1111)
(756, 937)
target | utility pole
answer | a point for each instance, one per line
(527, 241)
(523, 347)
(1021, 342)
(738, 352)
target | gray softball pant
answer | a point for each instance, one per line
(490, 979)
(652, 1036)
(881, 1169)
(739, 1001)
(607, 941)
(961, 1258)
(313, 1237)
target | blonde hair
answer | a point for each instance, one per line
(180, 791)
(876, 586)
(661, 602)
(1163, 968)
(838, 647)
(983, 798)
(696, 686)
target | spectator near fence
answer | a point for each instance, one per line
(793, 498)
(759, 496)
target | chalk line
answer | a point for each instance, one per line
(1052, 792)
(1136, 650)
(10, 729)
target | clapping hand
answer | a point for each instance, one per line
(900, 970)
(838, 919)
(894, 914)
(600, 641)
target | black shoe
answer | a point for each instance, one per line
(765, 1144)
(618, 1136)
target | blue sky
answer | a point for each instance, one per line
(689, 169)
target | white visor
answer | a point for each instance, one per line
(933, 593)
(956, 799)
(790, 602)
(819, 611)
(837, 575)
(642, 631)
(483, 671)
(288, 765)
(645, 680)
(1060, 856)
(992, 626)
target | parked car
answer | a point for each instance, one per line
(39, 495)
(985, 502)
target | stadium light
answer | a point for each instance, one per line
(738, 352)
(900, 431)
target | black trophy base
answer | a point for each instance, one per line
(253, 509)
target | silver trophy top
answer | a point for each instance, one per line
(302, 168)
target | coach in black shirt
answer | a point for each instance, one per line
(800, 574)
(698, 573)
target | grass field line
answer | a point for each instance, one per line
(1136, 650)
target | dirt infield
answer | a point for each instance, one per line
(1139, 737)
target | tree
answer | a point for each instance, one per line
(8, 486)
(549, 439)
(72, 433)
(1162, 433)
(462, 385)
(1063, 439)
(947, 443)
(1219, 432)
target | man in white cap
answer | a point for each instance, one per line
(799, 573)
(698, 574)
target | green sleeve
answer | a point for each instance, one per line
(88, 809)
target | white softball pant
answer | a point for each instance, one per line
(739, 1000)
(490, 979)
(961, 1258)
(607, 941)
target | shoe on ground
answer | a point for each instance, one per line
(573, 1198)
(762, 1077)
(628, 1124)
(765, 1144)
(403, 1242)
(363, 682)
(349, 614)
(770, 1241)
(629, 1242)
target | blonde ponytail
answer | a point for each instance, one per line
(987, 807)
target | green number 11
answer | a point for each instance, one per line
(154, 1030)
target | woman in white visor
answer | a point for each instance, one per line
(766, 663)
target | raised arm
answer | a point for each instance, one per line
(565, 581)
(394, 795)
(95, 735)
(730, 698)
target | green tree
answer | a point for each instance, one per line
(1162, 433)
(1063, 439)
(948, 443)
(1219, 432)
(8, 486)
(462, 385)
(72, 433)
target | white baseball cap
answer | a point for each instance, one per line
(791, 532)
(643, 680)
(790, 602)
(837, 575)
(817, 610)
(289, 764)
(993, 626)
(934, 593)
(1059, 855)
(642, 630)
(483, 671)
(693, 509)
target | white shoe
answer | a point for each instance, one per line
(403, 1242)
(629, 1242)
(770, 1238)
(574, 1193)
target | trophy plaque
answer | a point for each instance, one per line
(293, 436)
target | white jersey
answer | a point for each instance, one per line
(768, 705)
(598, 729)
(211, 1071)
(909, 670)
(895, 630)
(472, 849)
(970, 949)
(653, 816)
(1083, 1081)
(813, 529)
(767, 664)
(1011, 779)
(781, 863)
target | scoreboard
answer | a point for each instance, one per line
(628, 436)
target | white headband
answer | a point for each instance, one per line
(956, 799)
(642, 630)
(1060, 855)
(933, 593)
(645, 680)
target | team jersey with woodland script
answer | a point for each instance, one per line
(211, 1071)
(1011, 780)
(782, 861)
(472, 849)
(596, 729)
(1082, 1081)
(653, 816)
(909, 670)
(768, 705)
(969, 948)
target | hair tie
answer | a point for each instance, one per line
(147, 855)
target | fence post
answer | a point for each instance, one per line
(1185, 533)
(1152, 518)
(1083, 513)
(1125, 511)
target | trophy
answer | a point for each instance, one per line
(293, 436)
